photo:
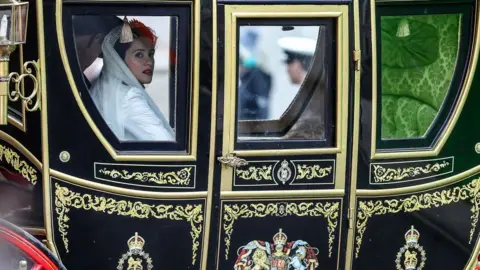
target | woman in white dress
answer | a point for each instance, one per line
(119, 92)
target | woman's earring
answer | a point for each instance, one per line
(126, 35)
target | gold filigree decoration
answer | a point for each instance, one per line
(11, 157)
(65, 199)
(180, 177)
(233, 212)
(255, 173)
(368, 209)
(382, 174)
(312, 171)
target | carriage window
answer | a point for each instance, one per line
(418, 58)
(129, 68)
(284, 73)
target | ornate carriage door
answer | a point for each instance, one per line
(415, 169)
(119, 201)
(281, 144)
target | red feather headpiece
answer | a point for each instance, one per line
(143, 31)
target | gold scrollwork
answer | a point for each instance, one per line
(382, 174)
(312, 171)
(65, 199)
(233, 212)
(18, 79)
(180, 177)
(367, 209)
(255, 173)
(13, 159)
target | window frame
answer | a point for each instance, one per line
(299, 103)
(187, 12)
(433, 140)
(339, 14)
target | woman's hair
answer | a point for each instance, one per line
(138, 30)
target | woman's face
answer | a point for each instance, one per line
(139, 59)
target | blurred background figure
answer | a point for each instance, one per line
(254, 82)
(299, 53)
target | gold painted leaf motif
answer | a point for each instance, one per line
(12, 158)
(255, 173)
(312, 171)
(180, 177)
(370, 208)
(382, 174)
(65, 199)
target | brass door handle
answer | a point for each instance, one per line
(232, 161)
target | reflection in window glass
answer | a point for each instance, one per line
(126, 65)
(418, 56)
(278, 94)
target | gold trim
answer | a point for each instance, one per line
(65, 199)
(309, 170)
(451, 122)
(234, 211)
(390, 175)
(213, 130)
(22, 125)
(341, 15)
(256, 173)
(260, 173)
(179, 177)
(417, 188)
(232, 13)
(23, 150)
(312, 171)
(282, 152)
(47, 203)
(125, 191)
(13, 159)
(192, 156)
(282, 193)
(370, 208)
(355, 138)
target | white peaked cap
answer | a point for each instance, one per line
(299, 45)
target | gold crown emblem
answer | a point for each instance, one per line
(411, 236)
(410, 260)
(136, 243)
(280, 238)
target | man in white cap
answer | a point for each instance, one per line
(299, 52)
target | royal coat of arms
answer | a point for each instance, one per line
(281, 255)
(136, 258)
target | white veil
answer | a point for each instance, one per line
(109, 90)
